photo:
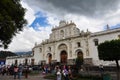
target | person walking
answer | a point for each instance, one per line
(70, 73)
(59, 74)
(65, 73)
(3, 70)
(20, 69)
(15, 71)
(26, 71)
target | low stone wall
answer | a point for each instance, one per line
(88, 61)
(71, 62)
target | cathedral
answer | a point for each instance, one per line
(66, 42)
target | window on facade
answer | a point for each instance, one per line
(62, 33)
(96, 42)
(49, 48)
(40, 49)
(78, 44)
(119, 36)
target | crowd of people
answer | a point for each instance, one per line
(60, 71)
(15, 70)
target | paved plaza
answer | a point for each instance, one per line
(35, 77)
(40, 76)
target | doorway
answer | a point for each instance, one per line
(49, 58)
(63, 57)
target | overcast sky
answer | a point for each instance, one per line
(42, 15)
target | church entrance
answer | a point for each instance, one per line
(49, 58)
(80, 57)
(80, 54)
(63, 57)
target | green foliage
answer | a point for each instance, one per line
(11, 20)
(79, 77)
(50, 76)
(87, 77)
(32, 73)
(109, 50)
(4, 54)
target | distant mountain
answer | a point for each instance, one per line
(4, 54)
(28, 53)
(24, 53)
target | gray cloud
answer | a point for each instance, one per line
(89, 8)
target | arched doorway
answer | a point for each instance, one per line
(49, 58)
(79, 59)
(79, 53)
(63, 57)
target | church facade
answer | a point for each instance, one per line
(66, 41)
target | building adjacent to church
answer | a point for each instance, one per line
(66, 42)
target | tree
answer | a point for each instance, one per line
(11, 20)
(110, 51)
